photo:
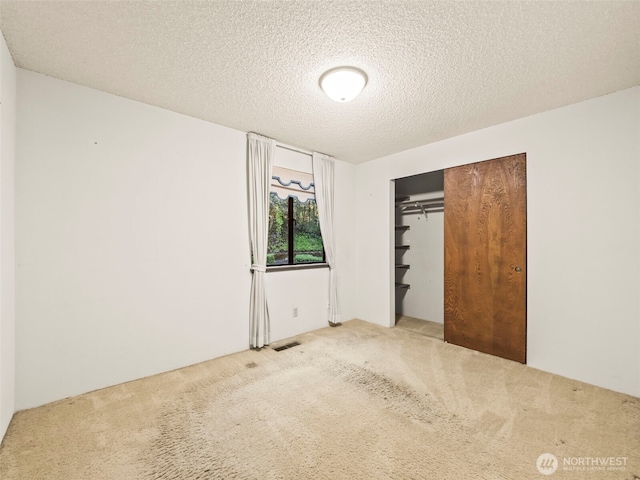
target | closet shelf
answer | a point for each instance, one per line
(403, 247)
(403, 285)
(403, 227)
(402, 265)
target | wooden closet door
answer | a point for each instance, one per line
(485, 236)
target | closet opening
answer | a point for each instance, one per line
(461, 271)
(419, 253)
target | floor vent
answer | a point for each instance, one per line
(288, 345)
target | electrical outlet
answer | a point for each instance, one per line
(295, 311)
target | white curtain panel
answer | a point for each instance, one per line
(260, 164)
(323, 167)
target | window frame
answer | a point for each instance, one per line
(291, 247)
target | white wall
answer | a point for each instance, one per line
(583, 185)
(7, 236)
(132, 243)
(132, 240)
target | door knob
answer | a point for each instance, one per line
(518, 269)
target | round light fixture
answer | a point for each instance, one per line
(343, 84)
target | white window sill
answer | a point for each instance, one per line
(301, 266)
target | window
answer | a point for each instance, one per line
(294, 230)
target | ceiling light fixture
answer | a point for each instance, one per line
(343, 84)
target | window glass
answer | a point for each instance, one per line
(278, 246)
(307, 243)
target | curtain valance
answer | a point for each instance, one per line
(292, 183)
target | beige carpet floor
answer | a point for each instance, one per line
(423, 327)
(354, 402)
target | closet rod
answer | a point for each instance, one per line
(420, 205)
(421, 208)
(423, 202)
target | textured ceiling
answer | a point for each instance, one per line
(436, 69)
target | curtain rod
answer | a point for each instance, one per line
(300, 150)
(293, 149)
